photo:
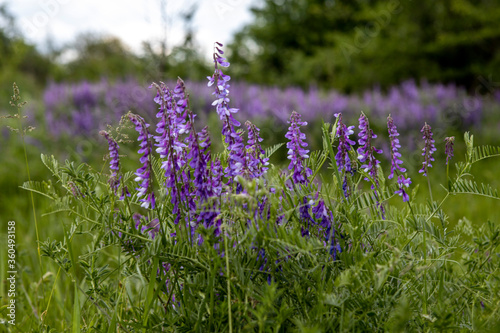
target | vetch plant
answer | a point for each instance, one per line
(228, 241)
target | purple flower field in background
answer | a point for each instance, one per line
(83, 108)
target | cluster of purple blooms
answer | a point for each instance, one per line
(428, 149)
(366, 150)
(296, 152)
(114, 166)
(395, 160)
(198, 185)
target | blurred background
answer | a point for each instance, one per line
(82, 65)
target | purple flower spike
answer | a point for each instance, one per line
(216, 169)
(395, 161)
(395, 155)
(296, 152)
(345, 143)
(366, 151)
(144, 173)
(403, 182)
(231, 137)
(449, 148)
(114, 164)
(199, 156)
(428, 150)
(256, 163)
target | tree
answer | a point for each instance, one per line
(352, 44)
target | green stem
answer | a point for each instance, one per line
(430, 190)
(229, 312)
(16, 99)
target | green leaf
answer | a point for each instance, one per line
(483, 152)
(464, 186)
(271, 150)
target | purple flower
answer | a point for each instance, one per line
(114, 164)
(428, 149)
(256, 163)
(448, 150)
(366, 151)
(144, 173)
(231, 137)
(170, 146)
(403, 182)
(396, 162)
(152, 227)
(395, 155)
(216, 169)
(199, 156)
(296, 152)
(345, 143)
(327, 229)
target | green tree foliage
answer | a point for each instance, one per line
(352, 44)
(19, 60)
(98, 56)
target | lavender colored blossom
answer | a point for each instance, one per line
(256, 162)
(342, 157)
(327, 229)
(403, 182)
(216, 169)
(170, 146)
(305, 216)
(114, 164)
(231, 137)
(144, 173)
(296, 152)
(395, 155)
(428, 149)
(366, 151)
(449, 148)
(199, 156)
(396, 162)
(152, 227)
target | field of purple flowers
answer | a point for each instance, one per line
(197, 238)
(82, 108)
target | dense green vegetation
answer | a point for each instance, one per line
(350, 45)
(90, 261)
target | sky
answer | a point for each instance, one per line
(133, 21)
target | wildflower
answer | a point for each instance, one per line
(199, 156)
(144, 173)
(322, 213)
(428, 149)
(448, 150)
(170, 147)
(403, 182)
(114, 164)
(395, 161)
(305, 215)
(231, 137)
(395, 155)
(255, 161)
(216, 169)
(345, 143)
(296, 152)
(366, 151)
(152, 227)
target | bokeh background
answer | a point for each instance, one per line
(82, 65)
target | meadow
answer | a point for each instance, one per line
(311, 211)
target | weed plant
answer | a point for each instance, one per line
(207, 241)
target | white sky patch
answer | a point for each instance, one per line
(133, 21)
